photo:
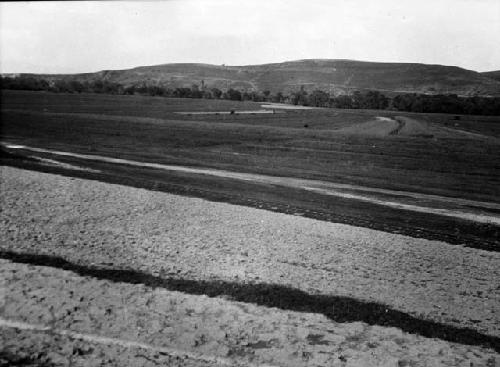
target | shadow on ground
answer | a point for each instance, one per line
(336, 308)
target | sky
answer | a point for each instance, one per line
(71, 37)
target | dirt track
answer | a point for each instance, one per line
(471, 210)
(105, 226)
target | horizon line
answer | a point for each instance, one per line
(246, 65)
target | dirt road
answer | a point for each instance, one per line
(423, 203)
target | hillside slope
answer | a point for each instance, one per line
(335, 76)
(492, 74)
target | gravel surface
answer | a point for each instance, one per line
(92, 223)
(67, 320)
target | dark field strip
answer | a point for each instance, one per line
(337, 308)
(116, 104)
(282, 199)
(159, 107)
(449, 167)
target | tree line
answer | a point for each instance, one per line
(410, 102)
(107, 87)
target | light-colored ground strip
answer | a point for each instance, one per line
(284, 106)
(420, 209)
(216, 331)
(234, 112)
(112, 341)
(98, 339)
(35, 348)
(105, 225)
(56, 163)
(328, 188)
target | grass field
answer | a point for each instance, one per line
(446, 161)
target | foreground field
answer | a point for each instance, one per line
(347, 274)
(65, 319)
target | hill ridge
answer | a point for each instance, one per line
(337, 76)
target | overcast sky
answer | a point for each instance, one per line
(68, 37)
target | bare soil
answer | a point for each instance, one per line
(63, 319)
(344, 295)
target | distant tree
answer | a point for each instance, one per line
(375, 100)
(278, 98)
(257, 96)
(97, 86)
(299, 98)
(233, 94)
(24, 83)
(207, 94)
(357, 99)
(450, 103)
(130, 90)
(156, 90)
(403, 102)
(342, 101)
(216, 93)
(6, 82)
(76, 86)
(195, 91)
(62, 86)
(42, 84)
(182, 92)
(319, 98)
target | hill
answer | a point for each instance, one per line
(335, 76)
(492, 74)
